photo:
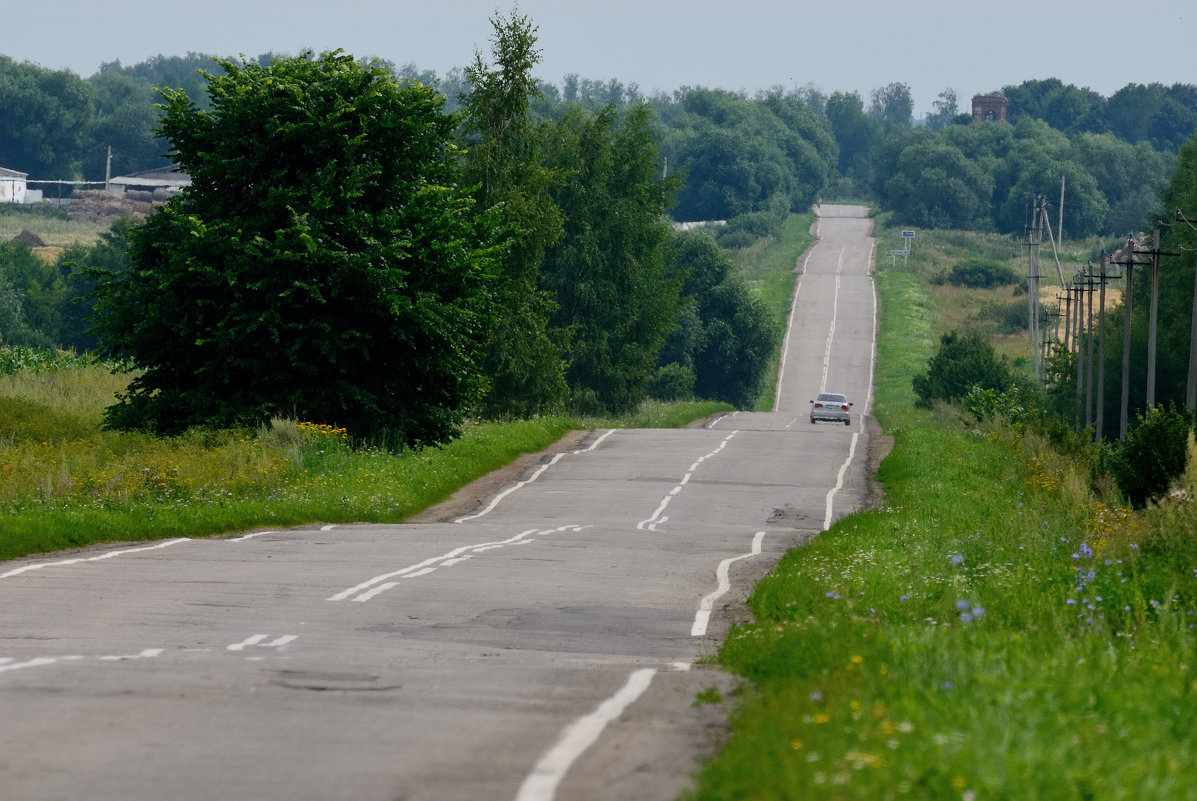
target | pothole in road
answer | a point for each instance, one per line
(319, 681)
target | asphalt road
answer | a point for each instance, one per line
(543, 640)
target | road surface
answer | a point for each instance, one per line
(541, 638)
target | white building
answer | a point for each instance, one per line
(13, 187)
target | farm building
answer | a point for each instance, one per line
(13, 186)
(162, 183)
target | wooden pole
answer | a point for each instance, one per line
(1127, 302)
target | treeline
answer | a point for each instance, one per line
(350, 252)
(738, 154)
(595, 301)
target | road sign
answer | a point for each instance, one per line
(908, 234)
(899, 253)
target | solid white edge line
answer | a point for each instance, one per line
(108, 555)
(495, 501)
(703, 618)
(868, 404)
(785, 348)
(541, 784)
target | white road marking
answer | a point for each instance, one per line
(379, 584)
(8, 663)
(260, 640)
(785, 350)
(100, 558)
(536, 475)
(245, 537)
(541, 784)
(657, 518)
(148, 653)
(839, 480)
(703, 618)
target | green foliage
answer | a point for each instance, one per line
(736, 336)
(44, 119)
(609, 271)
(746, 229)
(741, 156)
(30, 293)
(989, 404)
(893, 105)
(935, 186)
(981, 274)
(1152, 457)
(323, 263)
(505, 158)
(964, 361)
(673, 382)
(855, 132)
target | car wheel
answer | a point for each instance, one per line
(847, 422)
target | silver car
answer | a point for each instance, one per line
(832, 407)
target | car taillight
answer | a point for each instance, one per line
(844, 407)
(818, 406)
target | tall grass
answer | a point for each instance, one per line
(995, 631)
(66, 482)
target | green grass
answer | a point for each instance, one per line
(995, 631)
(51, 224)
(65, 482)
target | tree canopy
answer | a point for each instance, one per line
(323, 264)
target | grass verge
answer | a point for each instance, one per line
(66, 483)
(995, 631)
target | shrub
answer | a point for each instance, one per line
(1152, 456)
(963, 362)
(981, 274)
(673, 382)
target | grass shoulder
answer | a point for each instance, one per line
(994, 629)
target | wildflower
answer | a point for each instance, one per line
(816, 695)
(902, 598)
(956, 558)
(822, 717)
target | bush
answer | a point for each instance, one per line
(744, 230)
(673, 382)
(962, 363)
(981, 274)
(1152, 456)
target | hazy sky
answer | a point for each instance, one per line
(847, 45)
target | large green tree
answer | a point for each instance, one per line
(44, 119)
(610, 270)
(730, 338)
(323, 264)
(524, 358)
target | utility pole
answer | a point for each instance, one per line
(1033, 240)
(1127, 301)
(1079, 287)
(1101, 351)
(1060, 238)
(1089, 367)
(1191, 385)
(108, 171)
(1153, 315)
